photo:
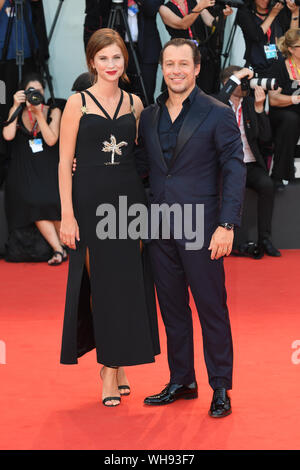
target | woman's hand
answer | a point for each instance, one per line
(206, 3)
(292, 6)
(69, 231)
(227, 11)
(35, 110)
(276, 9)
(19, 98)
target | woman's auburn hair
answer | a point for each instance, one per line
(100, 39)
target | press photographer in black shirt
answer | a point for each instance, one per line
(262, 23)
(190, 19)
(255, 127)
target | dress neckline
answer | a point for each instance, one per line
(115, 116)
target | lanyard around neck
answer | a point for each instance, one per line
(183, 13)
(293, 67)
(34, 124)
(269, 32)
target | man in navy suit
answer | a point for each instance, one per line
(190, 146)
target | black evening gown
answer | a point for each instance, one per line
(113, 310)
(31, 190)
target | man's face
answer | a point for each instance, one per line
(179, 69)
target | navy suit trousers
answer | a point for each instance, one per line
(175, 269)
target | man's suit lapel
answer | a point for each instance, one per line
(154, 125)
(194, 118)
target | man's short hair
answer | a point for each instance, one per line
(178, 42)
(226, 73)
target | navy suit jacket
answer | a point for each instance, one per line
(207, 166)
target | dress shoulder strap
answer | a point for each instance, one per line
(83, 107)
(132, 105)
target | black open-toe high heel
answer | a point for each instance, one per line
(106, 399)
(124, 387)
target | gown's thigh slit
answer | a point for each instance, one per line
(88, 268)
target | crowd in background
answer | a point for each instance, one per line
(272, 37)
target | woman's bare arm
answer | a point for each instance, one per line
(50, 132)
(176, 22)
(68, 135)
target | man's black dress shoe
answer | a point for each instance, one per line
(220, 405)
(248, 249)
(173, 392)
(268, 248)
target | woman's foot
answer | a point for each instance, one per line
(123, 384)
(110, 393)
(58, 256)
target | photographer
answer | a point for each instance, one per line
(254, 127)
(141, 16)
(262, 23)
(149, 44)
(31, 191)
(284, 107)
(190, 19)
(96, 17)
(35, 47)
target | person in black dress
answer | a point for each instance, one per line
(110, 301)
(262, 24)
(284, 108)
(32, 182)
(190, 19)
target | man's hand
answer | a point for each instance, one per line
(243, 73)
(221, 243)
(260, 97)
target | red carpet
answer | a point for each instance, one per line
(45, 405)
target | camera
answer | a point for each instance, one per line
(265, 83)
(34, 96)
(273, 2)
(232, 3)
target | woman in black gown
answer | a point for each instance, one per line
(32, 182)
(110, 302)
(190, 19)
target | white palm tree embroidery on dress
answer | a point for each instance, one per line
(113, 147)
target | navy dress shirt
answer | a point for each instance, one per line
(167, 130)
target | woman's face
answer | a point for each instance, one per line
(262, 4)
(295, 51)
(109, 63)
(37, 86)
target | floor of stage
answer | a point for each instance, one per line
(45, 405)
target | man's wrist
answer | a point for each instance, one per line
(227, 225)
